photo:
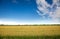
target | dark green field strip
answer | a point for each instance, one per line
(29, 37)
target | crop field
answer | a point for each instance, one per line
(29, 32)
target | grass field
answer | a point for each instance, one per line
(29, 37)
(30, 32)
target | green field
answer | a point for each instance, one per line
(29, 37)
(30, 32)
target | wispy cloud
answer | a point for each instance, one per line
(14, 1)
(53, 10)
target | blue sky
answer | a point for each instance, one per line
(49, 1)
(23, 10)
(20, 11)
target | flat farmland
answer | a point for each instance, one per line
(29, 30)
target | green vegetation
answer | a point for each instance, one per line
(29, 37)
(33, 25)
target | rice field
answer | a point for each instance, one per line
(29, 32)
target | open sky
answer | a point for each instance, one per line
(20, 11)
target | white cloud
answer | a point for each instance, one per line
(54, 13)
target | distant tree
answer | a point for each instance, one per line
(2, 24)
